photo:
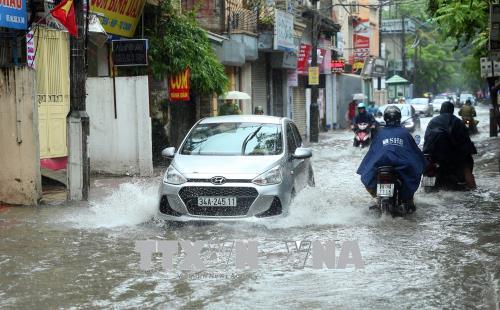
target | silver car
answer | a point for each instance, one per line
(422, 106)
(235, 167)
(409, 117)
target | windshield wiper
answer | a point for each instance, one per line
(248, 138)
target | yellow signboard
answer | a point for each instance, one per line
(313, 75)
(120, 16)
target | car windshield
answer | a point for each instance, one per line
(419, 101)
(404, 108)
(440, 97)
(234, 139)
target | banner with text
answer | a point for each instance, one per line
(120, 17)
(178, 86)
(13, 14)
(361, 40)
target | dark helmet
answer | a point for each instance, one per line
(447, 107)
(392, 115)
(468, 102)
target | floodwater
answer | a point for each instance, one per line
(446, 255)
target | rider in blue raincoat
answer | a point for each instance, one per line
(393, 146)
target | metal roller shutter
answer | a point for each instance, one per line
(299, 105)
(259, 89)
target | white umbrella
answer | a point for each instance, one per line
(236, 95)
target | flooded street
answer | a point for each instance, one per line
(446, 255)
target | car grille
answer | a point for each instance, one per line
(245, 197)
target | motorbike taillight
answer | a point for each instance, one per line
(431, 170)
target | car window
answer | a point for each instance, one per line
(296, 132)
(237, 138)
(419, 101)
(406, 110)
(290, 139)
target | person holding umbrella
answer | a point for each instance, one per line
(230, 107)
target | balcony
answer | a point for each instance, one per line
(240, 18)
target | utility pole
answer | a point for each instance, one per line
(379, 79)
(494, 120)
(78, 120)
(403, 51)
(314, 109)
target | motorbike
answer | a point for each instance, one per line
(471, 125)
(388, 197)
(362, 135)
(439, 176)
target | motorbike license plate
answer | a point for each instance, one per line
(385, 190)
(428, 181)
(205, 201)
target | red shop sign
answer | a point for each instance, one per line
(178, 86)
(303, 59)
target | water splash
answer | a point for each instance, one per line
(130, 204)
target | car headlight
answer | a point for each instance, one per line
(172, 176)
(270, 177)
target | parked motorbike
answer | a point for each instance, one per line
(440, 176)
(388, 188)
(471, 125)
(362, 135)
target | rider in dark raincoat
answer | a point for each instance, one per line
(394, 146)
(449, 144)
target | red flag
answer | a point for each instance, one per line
(64, 12)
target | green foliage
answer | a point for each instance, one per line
(464, 21)
(451, 36)
(437, 67)
(177, 42)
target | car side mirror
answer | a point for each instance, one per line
(302, 153)
(168, 152)
(379, 114)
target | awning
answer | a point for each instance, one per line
(215, 38)
(396, 79)
(97, 34)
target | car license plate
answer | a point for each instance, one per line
(429, 181)
(205, 201)
(385, 190)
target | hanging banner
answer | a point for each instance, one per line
(361, 42)
(313, 75)
(293, 78)
(13, 14)
(303, 60)
(120, 17)
(178, 86)
(283, 28)
(30, 49)
(338, 66)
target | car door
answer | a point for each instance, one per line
(300, 165)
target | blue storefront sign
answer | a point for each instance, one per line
(13, 14)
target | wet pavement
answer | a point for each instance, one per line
(446, 255)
